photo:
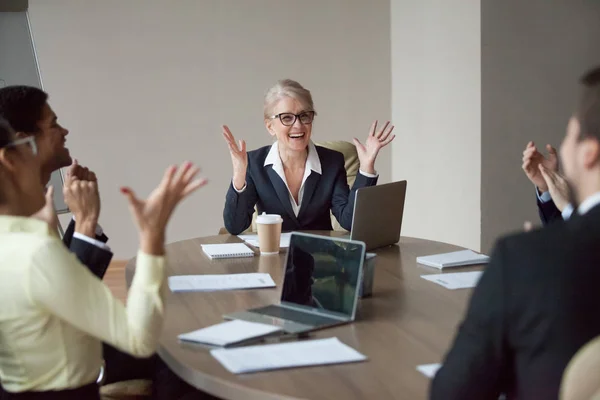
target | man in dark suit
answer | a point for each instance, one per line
(27, 110)
(537, 302)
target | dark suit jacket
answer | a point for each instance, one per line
(537, 303)
(93, 257)
(548, 212)
(266, 190)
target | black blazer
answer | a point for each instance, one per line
(536, 304)
(266, 190)
(548, 212)
(93, 257)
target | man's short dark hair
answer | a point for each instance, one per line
(22, 107)
(588, 113)
(6, 133)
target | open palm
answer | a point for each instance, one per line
(367, 153)
(153, 214)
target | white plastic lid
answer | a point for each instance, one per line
(265, 218)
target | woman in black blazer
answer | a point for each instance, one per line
(293, 177)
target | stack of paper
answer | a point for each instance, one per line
(252, 239)
(286, 355)
(429, 370)
(208, 283)
(454, 259)
(227, 250)
(228, 333)
(456, 280)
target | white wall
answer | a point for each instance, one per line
(436, 104)
(145, 83)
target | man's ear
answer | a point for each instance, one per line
(591, 152)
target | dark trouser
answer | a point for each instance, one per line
(123, 367)
(168, 386)
(87, 392)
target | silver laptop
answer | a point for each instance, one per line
(320, 286)
(377, 217)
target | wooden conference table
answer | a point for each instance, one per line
(407, 322)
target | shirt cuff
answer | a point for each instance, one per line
(368, 175)
(544, 197)
(567, 212)
(241, 190)
(94, 242)
(99, 230)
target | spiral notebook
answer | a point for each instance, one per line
(227, 250)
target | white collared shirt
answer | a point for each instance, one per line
(584, 207)
(589, 203)
(313, 163)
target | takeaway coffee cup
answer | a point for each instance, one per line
(269, 232)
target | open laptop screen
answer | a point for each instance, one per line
(323, 273)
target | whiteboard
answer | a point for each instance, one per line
(18, 66)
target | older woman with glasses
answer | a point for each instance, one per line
(293, 177)
(55, 313)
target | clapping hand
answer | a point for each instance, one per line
(81, 194)
(239, 158)
(367, 153)
(80, 172)
(153, 214)
(532, 159)
(557, 186)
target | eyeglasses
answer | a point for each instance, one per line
(289, 119)
(29, 140)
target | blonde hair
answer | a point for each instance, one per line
(287, 88)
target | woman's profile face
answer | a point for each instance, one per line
(296, 136)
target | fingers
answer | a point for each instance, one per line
(168, 176)
(548, 176)
(130, 195)
(386, 133)
(242, 146)
(381, 132)
(373, 128)
(50, 195)
(387, 141)
(193, 186)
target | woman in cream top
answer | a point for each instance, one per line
(55, 313)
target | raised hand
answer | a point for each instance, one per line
(80, 172)
(153, 214)
(557, 186)
(48, 212)
(239, 158)
(367, 153)
(83, 199)
(532, 159)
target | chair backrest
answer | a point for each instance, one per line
(351, 164)
(581, 377)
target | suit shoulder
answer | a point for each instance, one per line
(259, 154)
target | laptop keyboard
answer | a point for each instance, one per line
(295, 316)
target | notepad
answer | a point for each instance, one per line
(252, 239)
(286, 355)
(227, 250)
(209, 283)
(454, 259)
(228, 333)
(429, 370)
(455, 280)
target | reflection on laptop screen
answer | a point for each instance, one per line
(322, 273)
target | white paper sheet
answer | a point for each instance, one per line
(455, 280)
(429, 370)
(208, 283)
(286, 355)
(252, 239)
(227, 333)
(454, 259)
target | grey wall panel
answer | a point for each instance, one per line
(18, 66)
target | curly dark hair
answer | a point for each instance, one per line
(22, 107)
